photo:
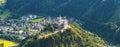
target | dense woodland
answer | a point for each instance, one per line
(80, 9)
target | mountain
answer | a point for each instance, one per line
(75, 36)
(101, 17)
(80, 9)
(108, 31)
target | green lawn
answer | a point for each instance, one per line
(4, 14)
(37, 20)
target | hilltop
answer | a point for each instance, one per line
(74, 36)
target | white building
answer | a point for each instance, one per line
(61, 22)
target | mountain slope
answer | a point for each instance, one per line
(83, 9)
(94, 13)
(73, 37)
(2, 2)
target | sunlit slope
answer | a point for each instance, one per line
(88, 39)
(7, 43)
(73, 37)
(1, 43)
(2, 2)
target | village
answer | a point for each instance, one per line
(26, 28)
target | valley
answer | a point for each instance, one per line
(60, 23)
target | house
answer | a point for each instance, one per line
(20, 32)
(60, 22)
(21, 37)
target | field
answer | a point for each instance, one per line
(6, 43)
(37, 20)
(4, 14)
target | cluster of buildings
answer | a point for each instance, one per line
(60, 23)
(25, 28)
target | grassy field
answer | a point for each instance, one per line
(37, 19)
(4, 14)
(6, 43)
